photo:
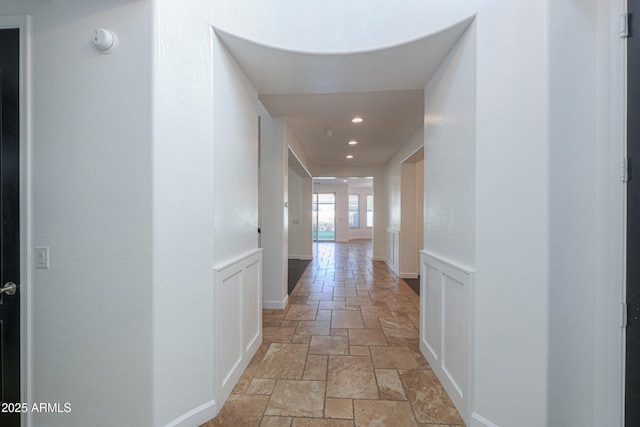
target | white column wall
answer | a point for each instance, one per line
(306, 225)
(91, 172)
(447, 281)
(401, 221)
(511, 214)
(584, 161)
(295, 193)
(274, 231)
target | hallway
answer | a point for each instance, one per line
(345, 352)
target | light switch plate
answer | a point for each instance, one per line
(42, 257)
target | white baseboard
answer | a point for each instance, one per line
(275, 305)
(409, 275)
(296, 257)
(197, 416)
(379, 258)
(306, 257)
(342, 241)
(479, 421)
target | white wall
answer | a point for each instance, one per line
(306, 225)
(95, 193)
(91, 179)
(419, 208)
(295, 194)
(447, 279)
(184, 189)
(400, 180)
(274, 230)
(580, 152)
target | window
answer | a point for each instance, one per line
(369, 210)
(354, 211)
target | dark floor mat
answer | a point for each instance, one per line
(414, 284)
(296, 268)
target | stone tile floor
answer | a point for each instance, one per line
(344, 353)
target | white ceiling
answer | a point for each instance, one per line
(320, 91)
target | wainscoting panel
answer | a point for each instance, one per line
(446, 292)
(393, 250)
(237, 320)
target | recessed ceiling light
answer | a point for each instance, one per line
(344, 180)
(353, 142)
(349, 156)
(357, 120)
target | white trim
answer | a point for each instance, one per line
(23, 23)
(409, 275)
(276, 305)
(197, 416)
(434, 308)
(241, 258)
(300, 161)
(615, 346)
(478, 420)
(379, 258)
(306, 257)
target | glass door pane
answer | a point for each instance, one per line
(324, 216)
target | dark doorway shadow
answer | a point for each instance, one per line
(413, 284)
(296, 269)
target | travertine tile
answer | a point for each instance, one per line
(284, 361)
(312, 327)
(276, 422)
(399, 327)
(311, 422)
(316, 367)
(261, 386)
(324, 315)
(359, 350)
(389, 385)
(297, 399)
(346, 319)
(383, 413)
(277, 334)
(351, 377)
(241, 410)
(338, 408)
(428, 398)
(345, 291)
(332, 305)
(393, 358)
(375, 311)
(329, 345)
(301, 312)
(366, 337)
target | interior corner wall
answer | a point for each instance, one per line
(274, 236)
(90, 166)
(393, 205)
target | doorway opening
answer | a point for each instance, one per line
(324, 217)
